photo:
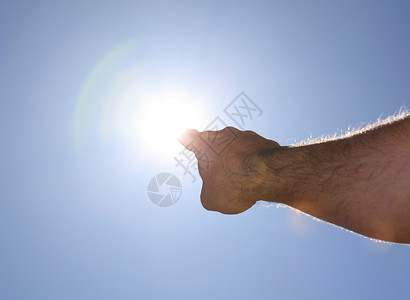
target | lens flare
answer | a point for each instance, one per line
(145, 105)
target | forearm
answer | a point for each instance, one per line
(361, 183)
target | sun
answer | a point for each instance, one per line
(162, 119)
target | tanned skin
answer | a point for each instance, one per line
(360, 182)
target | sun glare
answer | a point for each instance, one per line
(163, 118)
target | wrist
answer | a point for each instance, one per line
(274, 163)
(288, 172)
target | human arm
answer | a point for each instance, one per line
(361, 182)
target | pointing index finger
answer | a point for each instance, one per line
(190, 138)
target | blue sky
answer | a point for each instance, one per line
(75, 218)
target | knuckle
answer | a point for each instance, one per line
(230, 128)
(251, 133)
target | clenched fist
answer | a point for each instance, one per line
(230, 165)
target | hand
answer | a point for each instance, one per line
(230, 166)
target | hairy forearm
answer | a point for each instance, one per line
(361, 182)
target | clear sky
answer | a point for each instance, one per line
(75, 218)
